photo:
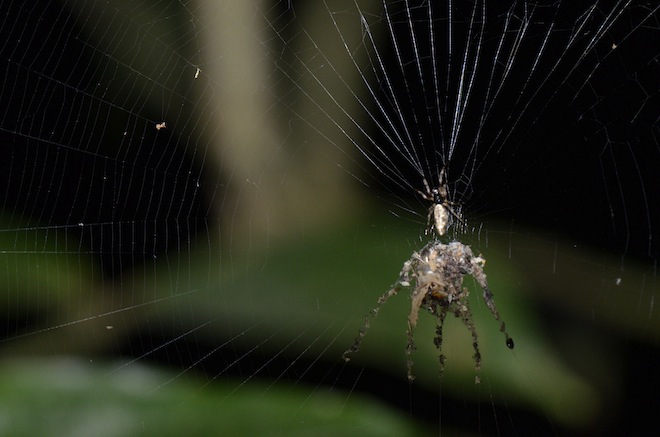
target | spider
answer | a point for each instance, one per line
(435, 276)
(441, 207)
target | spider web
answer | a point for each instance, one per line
(202, 200)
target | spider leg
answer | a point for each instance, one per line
(441, 311)
(429, 223)
(462, 311)
(490, 303)
(427, 186)
(429, 197)
(477, 272)
(424, 195)
(442, 177)
(374, 313)
(404, 281)
(417, 301)
(409, 348)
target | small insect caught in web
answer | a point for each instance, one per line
(435, 276)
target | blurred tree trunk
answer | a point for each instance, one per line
(283, 174)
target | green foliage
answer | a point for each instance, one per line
(70, 397)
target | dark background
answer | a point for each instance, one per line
(580, 162)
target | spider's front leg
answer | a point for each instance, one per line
(419, 297)
(404, 281)
(363, 330)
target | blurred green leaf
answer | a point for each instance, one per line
(69, 397)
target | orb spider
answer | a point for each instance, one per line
(435, 276)
(441, 207)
